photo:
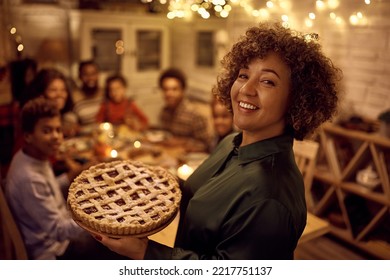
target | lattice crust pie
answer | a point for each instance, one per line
(124, 198)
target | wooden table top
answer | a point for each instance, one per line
(315, 227)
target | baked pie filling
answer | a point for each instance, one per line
(124, 198)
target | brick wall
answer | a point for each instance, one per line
(361, 51)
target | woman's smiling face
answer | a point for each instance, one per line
(260, 96)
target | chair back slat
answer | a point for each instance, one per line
(13, 243)
(305, 153)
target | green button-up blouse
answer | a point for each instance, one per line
(241, 203)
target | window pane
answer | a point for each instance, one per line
(148, 50)
(104, 49)
(205, 49)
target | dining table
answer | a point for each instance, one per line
(108, 143)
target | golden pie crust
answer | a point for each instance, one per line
(122, 198)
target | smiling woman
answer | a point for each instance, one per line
(260, 96)
(247, 199)
(52, 84)
(313, 82)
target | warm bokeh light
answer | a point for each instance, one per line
(353, 19)
(270, 4)
(194, 7)
(339, 20)
(227, 8)
(20, 47)
(320, 4)
(137, 144)
(119, 43)
(218, 8)
(106, 126)
(184, 171)
(114, 154)
(285, 5)
(261, 10)
(224, 14)
(357, 19)
(120, 51)
(308, 22)
(333, 4)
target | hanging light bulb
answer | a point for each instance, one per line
(333, 4)
(320, 4)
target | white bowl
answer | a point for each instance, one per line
(368, 179)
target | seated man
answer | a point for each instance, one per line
(179, 117)
(88, 97)
(35, 194)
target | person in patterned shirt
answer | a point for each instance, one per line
(89, 96)
(188, 127)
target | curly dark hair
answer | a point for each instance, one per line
(112, 78)
(173, 73)
(40, 83)
(314, 78)
(88, 62)
(36, 109)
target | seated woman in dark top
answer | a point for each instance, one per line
(54, 85)
(247, 201)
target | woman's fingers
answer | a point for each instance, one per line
(134, 248)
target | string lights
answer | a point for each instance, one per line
(285, 10)
(17, 40)
(187, 9)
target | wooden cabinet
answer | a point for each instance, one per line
(357, 213)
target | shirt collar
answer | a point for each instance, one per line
(261, 149)
(34, 161)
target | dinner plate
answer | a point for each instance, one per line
(81, 144)
(156, 136)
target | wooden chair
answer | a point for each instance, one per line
(305, 153)
(13, 243)
(305, 156)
